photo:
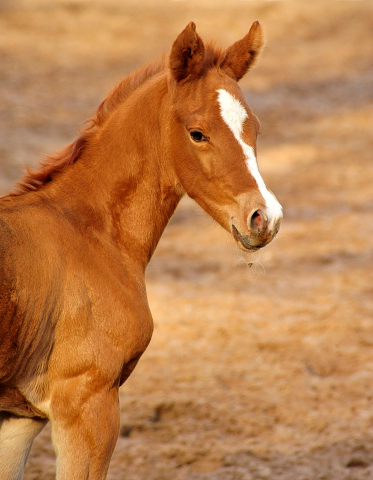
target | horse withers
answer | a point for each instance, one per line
(78, 233)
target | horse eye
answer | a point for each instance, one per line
(198, 136)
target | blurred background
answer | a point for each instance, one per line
(260, 366)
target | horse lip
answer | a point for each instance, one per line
(244, 240)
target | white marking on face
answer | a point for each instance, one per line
(234, 115)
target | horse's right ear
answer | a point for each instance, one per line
(241, 56)
(187, 54)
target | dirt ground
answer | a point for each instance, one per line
(261, 372)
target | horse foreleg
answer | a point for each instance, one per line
(16, 437)
(84, 431)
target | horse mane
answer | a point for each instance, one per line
(54, 164)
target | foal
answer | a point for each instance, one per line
(77, 235)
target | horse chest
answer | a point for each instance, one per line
(106, 324)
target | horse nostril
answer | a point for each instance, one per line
(258, 221)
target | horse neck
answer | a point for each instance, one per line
(123, 183)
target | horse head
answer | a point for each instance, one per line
(214, 136)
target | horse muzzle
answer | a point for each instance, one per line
(262, 229)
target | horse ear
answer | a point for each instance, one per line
(240, 57)
(187, 53)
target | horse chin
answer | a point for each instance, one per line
(245, 242)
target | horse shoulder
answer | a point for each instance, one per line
(29, 295)
(78, 304)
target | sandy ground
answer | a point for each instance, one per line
(261, 372)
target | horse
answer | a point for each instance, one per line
(78, 232)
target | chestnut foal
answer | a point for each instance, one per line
(77, 235)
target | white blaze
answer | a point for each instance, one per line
(234, 115)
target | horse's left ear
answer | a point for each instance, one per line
(187, 53)
(240, 57)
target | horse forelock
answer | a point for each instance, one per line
(213, 58)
